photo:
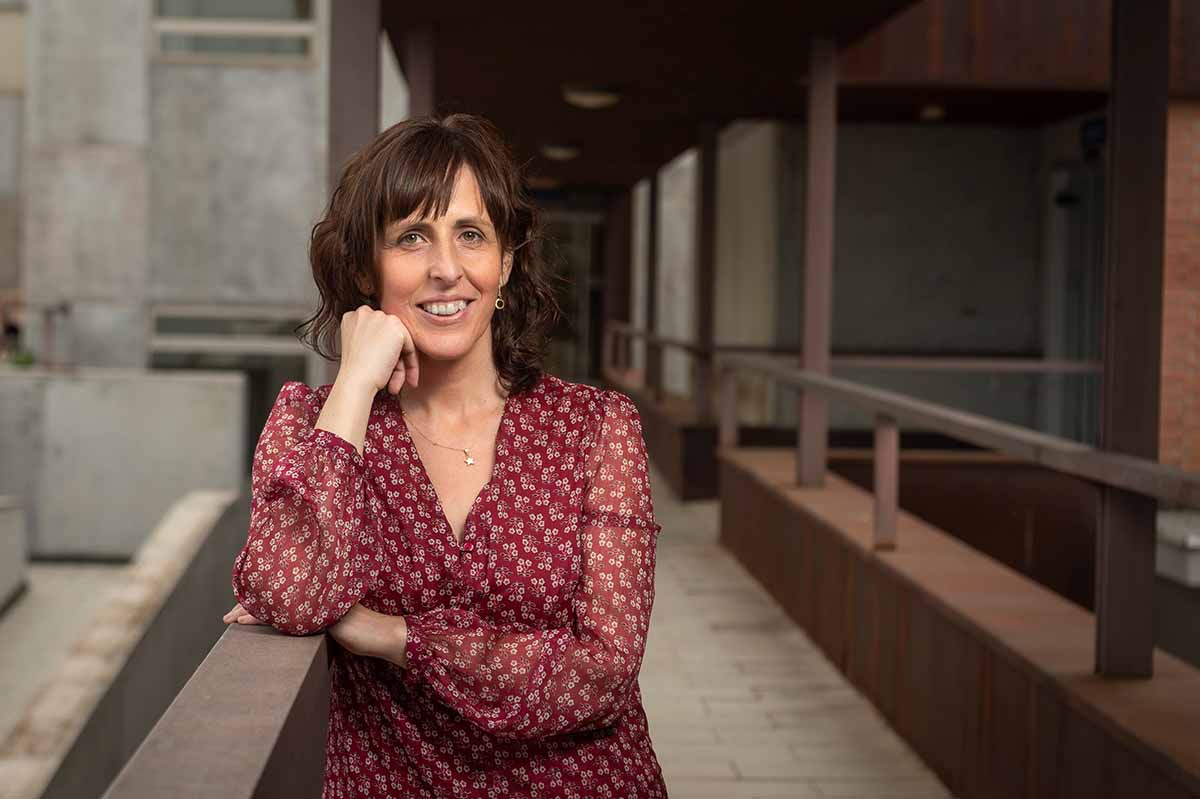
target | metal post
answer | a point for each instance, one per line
(887, 481)
(813, 429)
(1125, 538)
(727, 431)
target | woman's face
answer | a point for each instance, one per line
(428, 269)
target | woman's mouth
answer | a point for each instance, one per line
(445, 311)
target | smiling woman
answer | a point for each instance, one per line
(489, 580)
(385, 208)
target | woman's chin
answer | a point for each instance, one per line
(442, 348)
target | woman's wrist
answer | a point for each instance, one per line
(347, 409)
(397, 651)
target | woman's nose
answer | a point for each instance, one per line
(444, 265)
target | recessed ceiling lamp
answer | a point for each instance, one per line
(544, 183)
(933, 112)
(589, 97)
(560, 152)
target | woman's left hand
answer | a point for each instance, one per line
(364, 632)
(361, 631)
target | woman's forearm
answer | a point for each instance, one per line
(347, 410)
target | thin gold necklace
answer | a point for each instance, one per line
(466, 451)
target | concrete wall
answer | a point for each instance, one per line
(150, 180)
(10, 180)
(237, 176)
(748, 240)
(937, 252)
(100, 454)
(86, 181)
(393, 89)
(142, 643)
(675, 287)
(14, 549)
(12, 88)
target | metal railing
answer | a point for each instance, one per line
(1137, 476)
(1128, 485)
(619, 337)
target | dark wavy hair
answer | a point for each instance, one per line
(410, 168)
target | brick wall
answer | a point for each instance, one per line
(1179, 428)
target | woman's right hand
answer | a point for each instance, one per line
(377, 350)
(239, 615)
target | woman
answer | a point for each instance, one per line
(489, 579)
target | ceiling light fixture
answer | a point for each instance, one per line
(560, 152)
(544, 183)
(933, 112)
(589, 97)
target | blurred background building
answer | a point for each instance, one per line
(162, 163)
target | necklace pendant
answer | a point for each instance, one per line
(469, 461)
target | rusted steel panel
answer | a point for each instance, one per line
(1006, 731)
(1046, 730)
(988, 44)
(958, 681)
(1083, 754)
(955, 692)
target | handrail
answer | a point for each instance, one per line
(1141, 476)
(1113, 472)
(250, 722)
(617, 352)
(873, 361)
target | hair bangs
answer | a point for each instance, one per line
(417, 180)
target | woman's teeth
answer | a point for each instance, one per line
(445, 308)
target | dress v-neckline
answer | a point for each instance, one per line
(509, 404)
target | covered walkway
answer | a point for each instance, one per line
(741, 703)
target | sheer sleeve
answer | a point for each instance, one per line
(310, 553)
(553, 681)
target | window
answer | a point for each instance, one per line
(235, 31)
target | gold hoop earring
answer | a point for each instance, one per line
(499, 301)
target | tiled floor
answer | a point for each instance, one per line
(40, 627)
(741, 703)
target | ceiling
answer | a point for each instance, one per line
(674, 66)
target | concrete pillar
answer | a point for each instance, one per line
(1132, 330)
(818, 257)
(86, 136)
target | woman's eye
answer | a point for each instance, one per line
(473, 236)
(410, 238)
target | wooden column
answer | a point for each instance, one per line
(618, 271)
(1137, 142)
(653, 352)
(354, 30)
(813, 428)
(706, 273)
(418, 68)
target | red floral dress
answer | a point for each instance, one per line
(524, 641)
